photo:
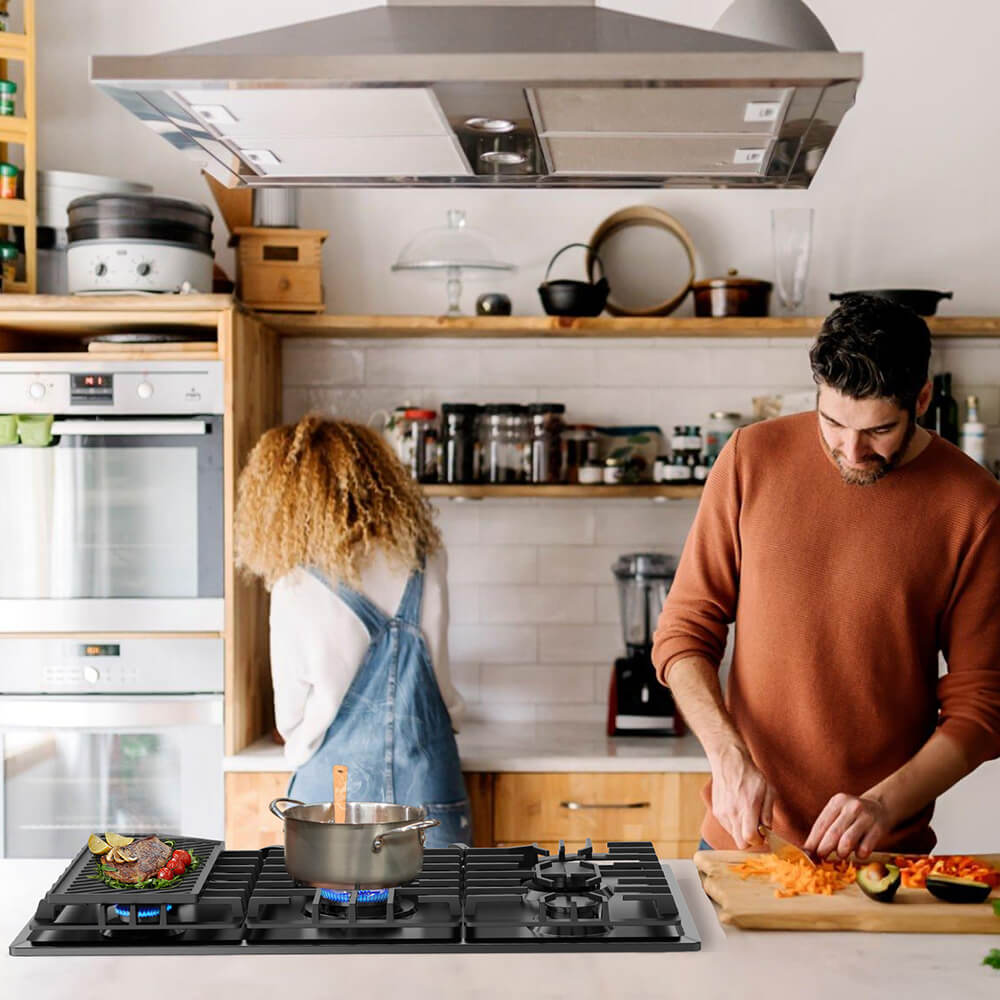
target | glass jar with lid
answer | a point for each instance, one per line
(460, 444)
(506, 442)
(546, 442)
(581, 445)
(423, 444)
(720, 428)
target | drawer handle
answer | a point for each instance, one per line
(604, 805)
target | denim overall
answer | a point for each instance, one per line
(393, 730)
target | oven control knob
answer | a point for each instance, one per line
(36, 390)
(143, 268)
(91, 674)
(101, 269)
(144, 390)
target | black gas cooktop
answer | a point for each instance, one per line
(464, 900)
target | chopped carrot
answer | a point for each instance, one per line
(795, 878)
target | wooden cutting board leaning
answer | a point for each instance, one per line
(751, 903)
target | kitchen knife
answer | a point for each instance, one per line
(783, 849)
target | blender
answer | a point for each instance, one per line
(638, 704)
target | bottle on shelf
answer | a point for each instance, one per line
(972, 439)
(942, 414)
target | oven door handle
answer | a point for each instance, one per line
(129, 428)
(119, 712)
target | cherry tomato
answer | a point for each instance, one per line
(173, 864)
(182, 856)
(166, 873)
(179, 869)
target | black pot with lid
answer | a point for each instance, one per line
(145, 217)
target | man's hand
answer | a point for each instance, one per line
(741, 797)
(849, 823)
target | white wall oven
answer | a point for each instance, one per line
(117, 525)
(108, 732)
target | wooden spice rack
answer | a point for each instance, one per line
(21, 130)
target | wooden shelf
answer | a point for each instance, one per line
(649, 491)
(13, 129)
(13, 45)
(13, 211)
(328, 325)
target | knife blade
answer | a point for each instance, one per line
(784, 849)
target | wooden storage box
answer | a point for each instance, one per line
(280, 269)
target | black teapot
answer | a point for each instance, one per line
(574, 298)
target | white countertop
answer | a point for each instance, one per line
(531, 746)
(732, 965)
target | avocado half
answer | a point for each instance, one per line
(953, 889)
(879, 881)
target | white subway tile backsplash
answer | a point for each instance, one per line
(513, 604)
(392, 364)
(312, 362)
(608, 611)
(538, 684)
(641, 525)
(596, 714)
(517, 365)
(457, 522)
(600, 406)
(493, 643)
(653, 365)
(578, 643)
(463, 604)
(501, 711)
(492, 564)
(776, 366)
(537, 523)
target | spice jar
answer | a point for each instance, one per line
(581, 445)
(7, 91)
(8, 262)
(546, 442)
(460, 442)
(8, 180)
(591, 472)
(423, 441)
(614, 471)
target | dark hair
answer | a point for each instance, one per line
(869, 348)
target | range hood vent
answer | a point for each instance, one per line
(512, 96)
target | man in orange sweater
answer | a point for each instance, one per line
(849, 546)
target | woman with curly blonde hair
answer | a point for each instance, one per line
(341, 535)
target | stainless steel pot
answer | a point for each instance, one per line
(380, 846)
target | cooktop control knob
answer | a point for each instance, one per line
(143, 268)
(100, 269)
(91, 674)
(144, 390)
(36, 390)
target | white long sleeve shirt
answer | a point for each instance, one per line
(318, 643)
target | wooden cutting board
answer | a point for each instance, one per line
(751, 903)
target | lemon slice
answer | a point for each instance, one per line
(125, 856)
(117, 840)
(96, 845)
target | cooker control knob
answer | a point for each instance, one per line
(91, 674)
(143, 268)
(101, 269)
(36, 390)
(144, 390)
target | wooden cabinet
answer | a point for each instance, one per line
(521, 808)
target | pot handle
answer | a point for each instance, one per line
(586, 246)
(277, 812)
(421, 825)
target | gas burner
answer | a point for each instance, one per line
(560, 912)
(369, 904)
(121, 910)
(562, 873)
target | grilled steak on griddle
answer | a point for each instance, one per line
(151, 854)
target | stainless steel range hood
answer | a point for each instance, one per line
(479, 95)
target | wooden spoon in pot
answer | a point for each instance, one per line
(340, 793)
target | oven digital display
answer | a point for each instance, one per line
(105, 649)
(92, 388)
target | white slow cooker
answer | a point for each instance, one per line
(138, 243)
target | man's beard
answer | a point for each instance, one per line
(878, 466)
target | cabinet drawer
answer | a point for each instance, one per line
(281, 285)
(600, 805)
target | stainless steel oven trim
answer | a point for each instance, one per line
(130, 428)
(123, 713)
(113, 614)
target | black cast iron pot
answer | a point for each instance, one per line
(574, 298)
(922, 301)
